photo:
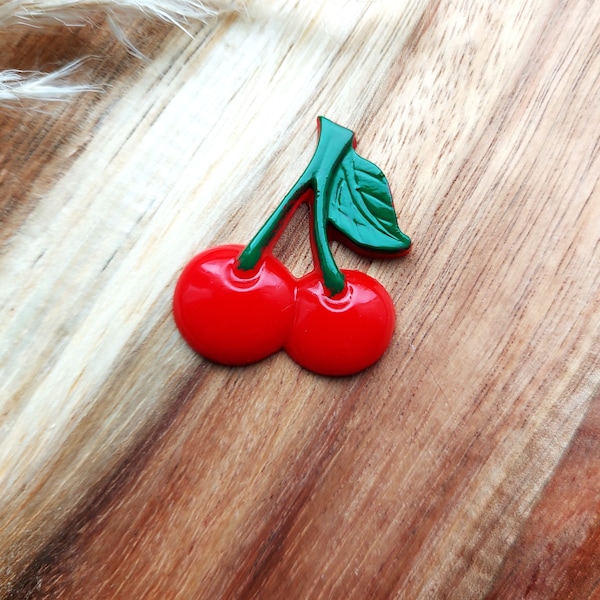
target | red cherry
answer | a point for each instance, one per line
(232, 316)
(343, 334)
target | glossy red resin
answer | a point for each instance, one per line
(231, 316)
(344, 334)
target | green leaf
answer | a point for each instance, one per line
(360, 206)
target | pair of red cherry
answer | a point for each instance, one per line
(237, 305)
(236, 317)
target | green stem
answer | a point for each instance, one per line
(334, 142)
(333, 278)
(251, 254)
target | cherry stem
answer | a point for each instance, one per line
(334, 143)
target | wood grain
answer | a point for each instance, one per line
(462, 465)
(556, 554)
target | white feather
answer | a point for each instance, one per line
(74, 12)
(32, 85)
(16, 85)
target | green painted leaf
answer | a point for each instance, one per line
(360, 206)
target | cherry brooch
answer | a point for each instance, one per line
(236, 305)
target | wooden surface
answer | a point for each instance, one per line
(465, 464)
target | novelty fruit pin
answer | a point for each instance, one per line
(236, 305)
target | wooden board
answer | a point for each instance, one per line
(463, 465)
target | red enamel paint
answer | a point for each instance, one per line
(231, 316)
(237, 305)
(341, 334)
